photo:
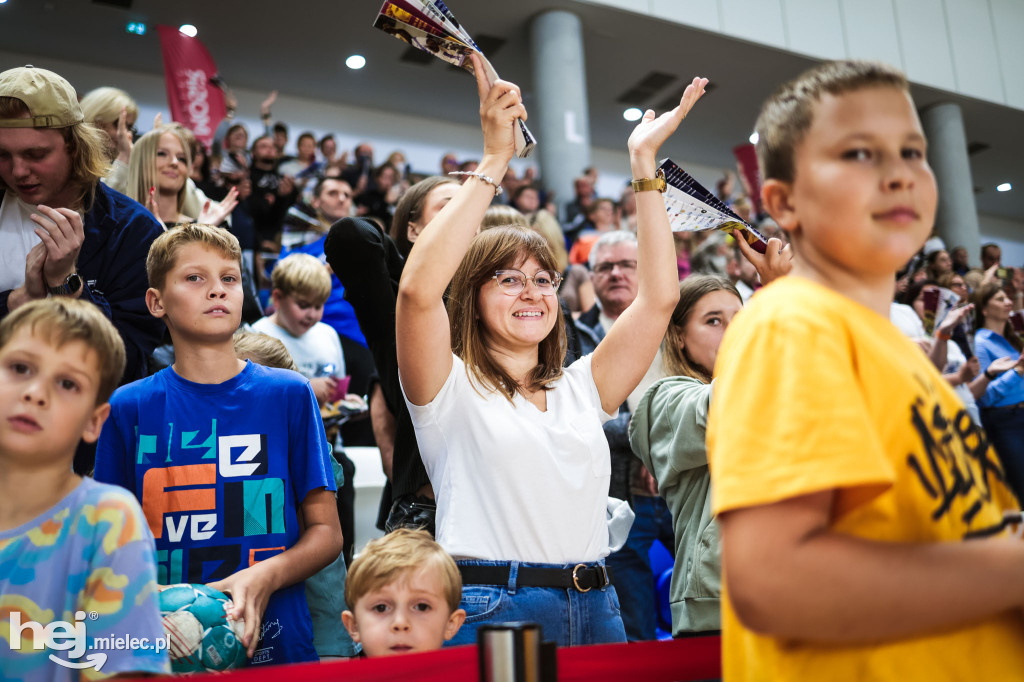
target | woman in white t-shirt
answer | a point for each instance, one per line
(513, 443)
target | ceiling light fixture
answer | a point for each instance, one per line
(189, 30)
(355, 62)
(632, 114)
(1005, 187)
(754, 137)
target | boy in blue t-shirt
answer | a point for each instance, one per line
(228, 458)
(77, 565)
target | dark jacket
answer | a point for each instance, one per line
(112, 265)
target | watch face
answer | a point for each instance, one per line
(73, 283)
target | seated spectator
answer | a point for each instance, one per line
(937, 264)
(601, 219)
(1002, 364)
(381, 194)
(449, 164)
(961, 373)
(403, 595)
(959, 258)
(417, 207)
(114, 112)
(331, 201)
(301, 287)
(305, 168)
(158, 173)
(500, 214)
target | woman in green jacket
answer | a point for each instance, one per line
(668, 428)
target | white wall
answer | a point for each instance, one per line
(970, 47)
(1009, 234)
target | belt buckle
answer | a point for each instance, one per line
(575, 578)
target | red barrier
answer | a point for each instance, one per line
(678, 660)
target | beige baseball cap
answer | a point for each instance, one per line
(51, 101)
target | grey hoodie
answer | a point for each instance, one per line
(667, 434)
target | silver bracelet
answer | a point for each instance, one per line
(486, 178)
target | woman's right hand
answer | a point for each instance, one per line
(500, 105)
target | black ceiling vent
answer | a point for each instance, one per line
(976, 147)
(122, 4)
(672, 100)
(650, 84)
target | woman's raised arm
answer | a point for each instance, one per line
(626, 353)
(423, 336)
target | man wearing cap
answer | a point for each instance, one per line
(62, 232)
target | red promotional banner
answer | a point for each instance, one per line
(195, 101)
(746, 160)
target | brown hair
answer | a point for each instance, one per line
(787, 114)
(490, 251)
(303, 275)
(981, 298)
(86, 145)
(63, 320)
(263, 350)
(500, 214)
(164, 251)
(691, 290)
(385, 559)
(410, 207)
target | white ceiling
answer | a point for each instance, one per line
(299, 48)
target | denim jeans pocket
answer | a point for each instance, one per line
(483, 602)
(613, 600)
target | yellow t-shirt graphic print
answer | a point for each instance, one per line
(815, 392)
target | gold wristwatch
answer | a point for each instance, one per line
(648, 184)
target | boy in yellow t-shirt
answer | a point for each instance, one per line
(862, 512)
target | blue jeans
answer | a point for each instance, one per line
(567, 617)
(1005, 429)
(631, 566)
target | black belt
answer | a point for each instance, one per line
(581, 577)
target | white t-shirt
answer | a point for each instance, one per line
(17, 237)
(314, 352)
(514, 483)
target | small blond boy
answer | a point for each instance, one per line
(68, 546)
(403, 595)
(301, 286)
(228, 458)
(861, 510)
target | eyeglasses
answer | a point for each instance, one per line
(607, 267)
(512, 282)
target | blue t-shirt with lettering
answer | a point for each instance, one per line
(220, 470)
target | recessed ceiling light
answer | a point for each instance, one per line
(632, 114)
(189, 30)
(356, 61)
(754, 137)
(1005, 187)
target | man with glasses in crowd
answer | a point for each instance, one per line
(613, 272)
